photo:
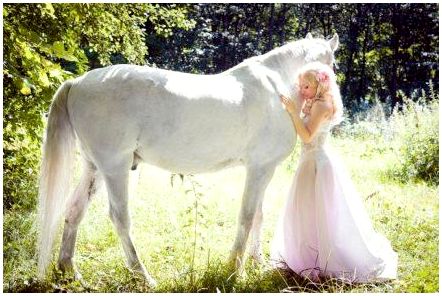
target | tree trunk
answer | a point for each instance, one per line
(362, 90)
(271, 25)
(396, 22)
(352, 46)
(284, 10)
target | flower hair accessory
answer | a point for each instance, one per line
(322, 77)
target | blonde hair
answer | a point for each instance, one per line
(323, 78)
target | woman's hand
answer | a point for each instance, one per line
(289, 105)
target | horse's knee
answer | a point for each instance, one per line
(251, 215)
(81, 197)
(76, 212)
(119, 219)
(113, 216)
(247, 219)
(258, 216)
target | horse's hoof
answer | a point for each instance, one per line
(77, 275)
(236, 266)
(67, 267)
(141, 270)
(258, 258)
(235, 261)
(151, 282)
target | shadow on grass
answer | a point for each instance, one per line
(218, 277)
(214, 278)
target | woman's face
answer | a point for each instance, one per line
(307, 90)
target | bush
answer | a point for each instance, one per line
(20, 170)
(371, 123)
(411, 130)
(417, 130)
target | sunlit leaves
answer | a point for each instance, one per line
(25, 87)
(48, 9)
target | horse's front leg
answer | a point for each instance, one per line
(256, 231)
(258, 177)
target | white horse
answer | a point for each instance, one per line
(184, 123)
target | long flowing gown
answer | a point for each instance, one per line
(324, 229)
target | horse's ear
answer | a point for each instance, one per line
(334, 42)
(309, 36)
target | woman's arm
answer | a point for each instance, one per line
(319, 112)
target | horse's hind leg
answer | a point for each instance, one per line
(117, 187)
(75, 211)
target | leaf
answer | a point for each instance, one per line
(69, 57)
(25, 87)
(43, 78)
(60, 52)
(49, 9)
(56, 73)
(58, 49)
(27, 52)
(25, 90)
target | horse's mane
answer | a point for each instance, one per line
(276, 53)
(278, 56)
(295, 48)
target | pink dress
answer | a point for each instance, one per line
(324, 230)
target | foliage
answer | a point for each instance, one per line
(46, 44)
(410, 130)
(417, 128)
(371, 122)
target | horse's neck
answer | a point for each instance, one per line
(279, 65)
(285, 61)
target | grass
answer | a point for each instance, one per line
(183, 233)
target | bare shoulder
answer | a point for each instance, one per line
(323, 107)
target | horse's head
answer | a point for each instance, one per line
(321, 50)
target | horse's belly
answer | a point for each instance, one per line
(195, 148)
(187, 161)
(188, 166)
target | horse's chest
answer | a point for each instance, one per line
(274, 137)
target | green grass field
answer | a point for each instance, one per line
(184, 233)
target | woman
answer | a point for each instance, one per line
(324, 230)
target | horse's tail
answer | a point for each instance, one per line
(55, 174)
